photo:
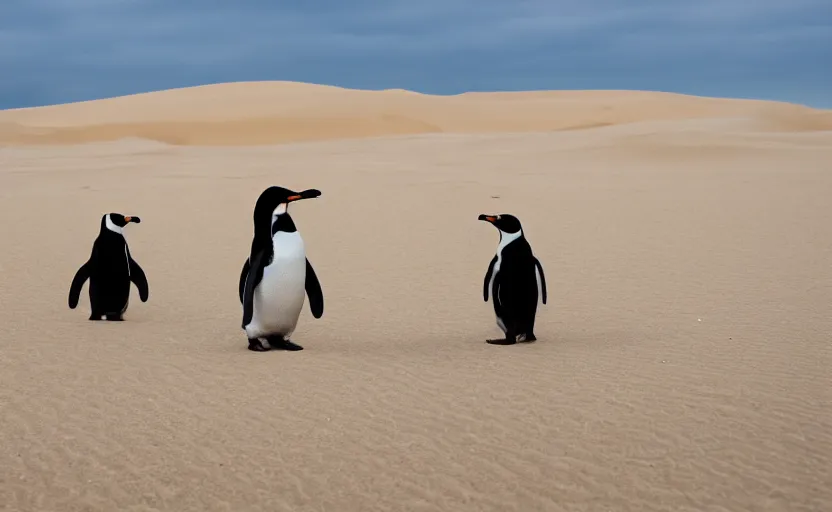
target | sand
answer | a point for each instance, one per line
(683, 361)
(249, 113)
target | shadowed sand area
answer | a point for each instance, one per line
(684, 356)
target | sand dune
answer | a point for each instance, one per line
(279, 112)
(682, 363)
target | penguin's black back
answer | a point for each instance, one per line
(517, 275)
(109, 273)
(515, 287)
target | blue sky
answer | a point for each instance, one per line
(54, 51)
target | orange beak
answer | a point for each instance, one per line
(128, 219)
(294, 198)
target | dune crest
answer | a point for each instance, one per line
(256, 113)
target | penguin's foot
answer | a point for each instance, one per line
(503, 341)
(288, 345)
(115, 318)
(526, 338)
(96, 318)
(255, 345)
(279, 343)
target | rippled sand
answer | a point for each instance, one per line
(683, 361)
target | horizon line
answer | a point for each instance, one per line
(412, 91)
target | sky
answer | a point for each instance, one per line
(58, 51)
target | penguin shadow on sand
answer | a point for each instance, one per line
(110, 269)
(515, 280)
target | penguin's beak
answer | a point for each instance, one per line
(487, 218)
(306, 194)
(132, 219)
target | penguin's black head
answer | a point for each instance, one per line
(116, 221)
(504, 222)
(274, 201)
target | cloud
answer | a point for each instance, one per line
(68, 50)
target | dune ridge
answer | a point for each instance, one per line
(259, 113)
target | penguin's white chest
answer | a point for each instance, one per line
(491, 289)
(505, 239)
(279, 297)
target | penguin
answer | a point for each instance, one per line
(277, 275)
(110, 270)
(515, 279)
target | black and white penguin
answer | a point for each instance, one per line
(277, 275)
(110, 270)
(516, 280)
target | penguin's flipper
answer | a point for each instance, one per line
(243, 275)
(488, 278)
(78, 281)
(313, 291)
(139, 279)
(255, 274)
(542, 279)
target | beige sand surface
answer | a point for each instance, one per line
(684, 356)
